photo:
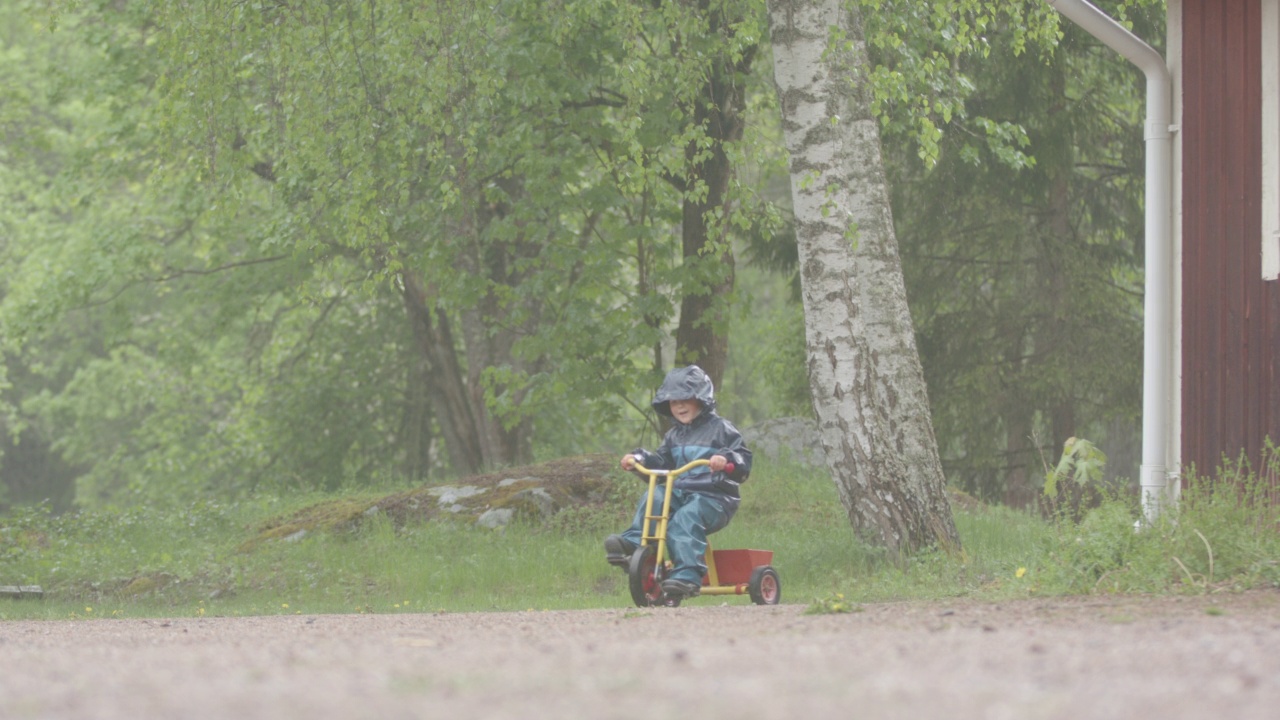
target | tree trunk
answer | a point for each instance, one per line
(1018, 490)
(446, 383)
(702, 337)
(489, 348)
(703, 333)
(489, 333)
(416, 438)
(1053, 342)
(864, 371)
(1018, 412)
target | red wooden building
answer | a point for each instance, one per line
(1212, 300)
(1224, 62)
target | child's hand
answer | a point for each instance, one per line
(717, 462)
(628, 462)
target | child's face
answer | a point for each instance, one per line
(685, 410)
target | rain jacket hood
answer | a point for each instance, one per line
(684, 384)
(704, 436)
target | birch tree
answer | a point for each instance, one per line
(864, 370)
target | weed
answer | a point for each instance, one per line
(1073, 485)
(1219, 536)
(831, 605)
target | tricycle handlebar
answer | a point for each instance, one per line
(728, 467)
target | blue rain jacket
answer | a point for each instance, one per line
(707, 435)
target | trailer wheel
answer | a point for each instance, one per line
(764, 586)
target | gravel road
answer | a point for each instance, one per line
(1212, 656)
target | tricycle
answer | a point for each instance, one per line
(729, 572)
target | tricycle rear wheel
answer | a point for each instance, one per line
(765, 587)
(645, 580)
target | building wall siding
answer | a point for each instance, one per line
(1230, 344)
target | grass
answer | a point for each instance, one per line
(145, 562)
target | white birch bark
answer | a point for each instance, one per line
(864, 370)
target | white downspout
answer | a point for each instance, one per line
(1158, 390)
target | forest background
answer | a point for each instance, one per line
(310, 245)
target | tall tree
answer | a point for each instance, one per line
(428, 141)
(332, 238)
(865, 375)
(1022, 246)
(730, 33)
(448, 151)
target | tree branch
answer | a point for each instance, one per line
(174, 275)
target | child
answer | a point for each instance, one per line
(703, 499)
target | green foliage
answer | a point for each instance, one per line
(833, 604)
(767, 377)
(1101, 553)
(195, 560)
(926, 56)
(1075, 484)
(209, 211)
(215, 209)
(150, 561)
(594, 520)
(1082, 463)
(89, 555)
(1218, 538)
(1021, 253)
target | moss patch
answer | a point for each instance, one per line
(145, 584)
(534, 492)
(331, 515)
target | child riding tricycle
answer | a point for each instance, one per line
(700, 465)
(729, 572)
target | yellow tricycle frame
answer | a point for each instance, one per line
(749, 571)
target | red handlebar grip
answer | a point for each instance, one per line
(728, 467)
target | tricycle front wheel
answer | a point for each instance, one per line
(764, 586)
(646, 581)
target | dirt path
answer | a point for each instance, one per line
(1203, 657)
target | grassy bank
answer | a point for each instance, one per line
(195, 562)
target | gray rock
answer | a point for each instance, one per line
(512, 481)
(792, 439)
(540, 498)
(449, 495)
(495, 518)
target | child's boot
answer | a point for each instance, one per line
(618, 550)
